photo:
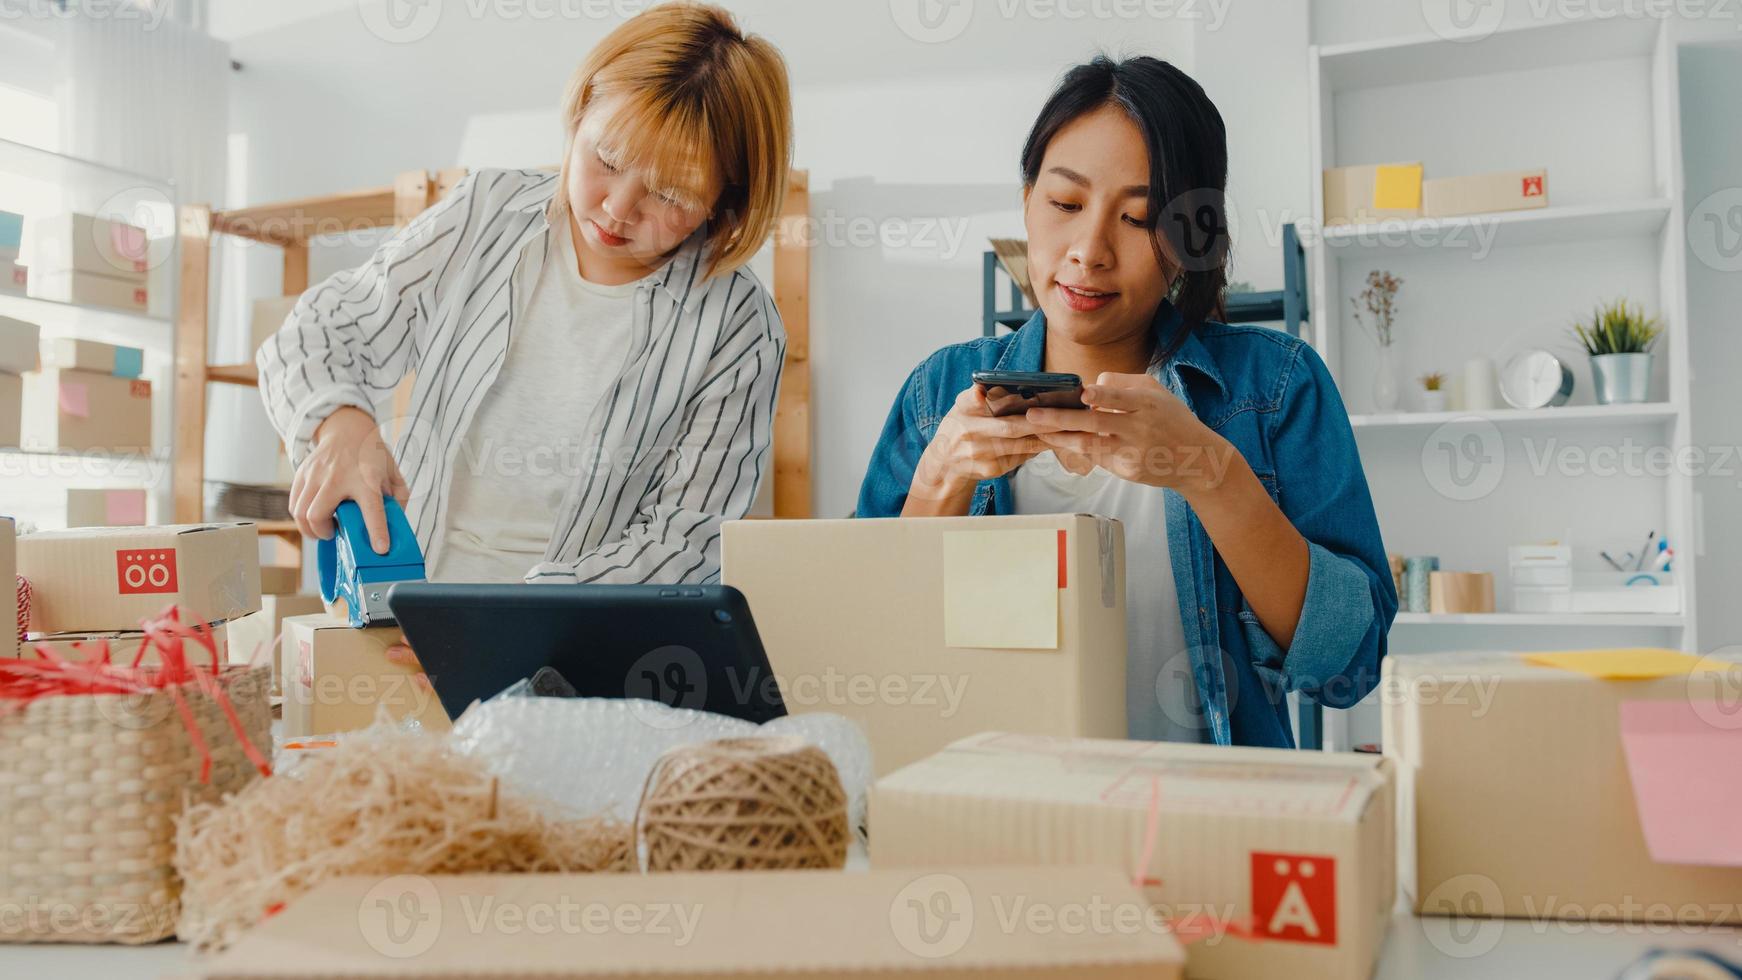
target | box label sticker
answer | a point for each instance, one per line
(75, 399)
(124, 508)
(1533, 185)
(139, 388)
(305, 667)
(1001, 589)
(1397, 188)
(1294, 897)
(145, 571)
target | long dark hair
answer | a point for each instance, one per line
(1188, 170)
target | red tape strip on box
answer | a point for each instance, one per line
(1062, 563)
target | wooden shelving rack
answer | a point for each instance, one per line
(291, 225)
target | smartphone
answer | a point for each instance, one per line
(1015, 392)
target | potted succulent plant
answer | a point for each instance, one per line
(1619, 338)
(1433, 392)
(1376, 311)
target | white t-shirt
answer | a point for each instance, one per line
(1161, 700)
(523, 450)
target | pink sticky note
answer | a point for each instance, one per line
(1685, 760)
(124, 508)
(75, 399)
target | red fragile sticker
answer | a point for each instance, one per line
(1533, 186)
(1062, 563)
(139, 296)
(139, 388)
(1294, 897)
(145, 571)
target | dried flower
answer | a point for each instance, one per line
(1378, 303)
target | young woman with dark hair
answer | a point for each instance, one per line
(1253, 559)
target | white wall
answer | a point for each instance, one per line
(1711, 77)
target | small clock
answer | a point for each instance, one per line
(1536, 379)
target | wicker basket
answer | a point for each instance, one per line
(90, 789)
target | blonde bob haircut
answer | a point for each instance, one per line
(691, 91)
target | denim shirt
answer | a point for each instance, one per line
(1271, 396)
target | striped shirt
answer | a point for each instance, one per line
(679, 440)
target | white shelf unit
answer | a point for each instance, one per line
(37, 182)
(1595, 102)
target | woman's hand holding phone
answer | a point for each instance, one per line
(970, 445)
(348, 460)
(1137, 430)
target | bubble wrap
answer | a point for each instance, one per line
(591, 756)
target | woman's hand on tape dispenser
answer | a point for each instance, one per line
(348, 460)
(401, 654)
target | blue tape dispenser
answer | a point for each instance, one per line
(351, 570)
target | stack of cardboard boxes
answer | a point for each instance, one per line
(88, 397)
(18, 355)
(90, 585)
(1376, 192)
(91, 261)
(255, 637)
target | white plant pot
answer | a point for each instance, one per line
(1433, 401)
(1621, 379)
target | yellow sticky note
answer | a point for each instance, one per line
(1629, 664)
(1397, 187)
(1001, 589)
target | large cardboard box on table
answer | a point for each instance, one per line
(336, 678)
(1506, 190)
(1519, 791)
(1029, 923)
(1270, 862)
(927, 631)
(258, 634)
(83, 411)
(104, 579)
(1371, 193)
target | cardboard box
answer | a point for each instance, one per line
(336, 678)
(105, 507)
(1515, 796)
(260, 631)
(269, 315)
(1366, 194)
(88, 355)
(1506, 190)
(71, 242)
(1282, 863)
(19, 341)
(926, 631)
(102, 579)
(280, 579)
(1036, 924)
(82, 411)
(123, 646)
(14, 278)
(11, 409)
(89, 289)
(8, 587)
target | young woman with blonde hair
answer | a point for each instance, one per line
(595, 369)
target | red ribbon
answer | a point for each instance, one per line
(24, 681)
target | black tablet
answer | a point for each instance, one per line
(688, 646)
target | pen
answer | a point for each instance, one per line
(1612, 562)
(1645, 550)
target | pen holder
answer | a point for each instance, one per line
(1626, 592)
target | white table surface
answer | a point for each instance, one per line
(1415, 949)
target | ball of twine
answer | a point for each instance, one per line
(743, 803)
